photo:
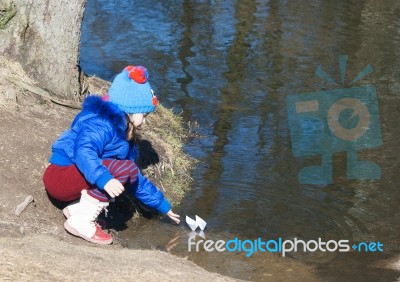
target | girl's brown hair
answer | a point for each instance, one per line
(131, 134)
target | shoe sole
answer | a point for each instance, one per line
(74, 232)
(66, 213)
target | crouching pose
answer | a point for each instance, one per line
(94, 160)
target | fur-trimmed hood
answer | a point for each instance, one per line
(105, 110)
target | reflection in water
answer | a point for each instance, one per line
(231, 97)
(230, 65)
(185, 45)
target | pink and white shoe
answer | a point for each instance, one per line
(72, 208)
(82, 221)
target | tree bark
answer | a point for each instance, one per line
(44, 37)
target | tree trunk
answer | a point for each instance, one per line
(44, 37)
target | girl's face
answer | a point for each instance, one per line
(138, 119)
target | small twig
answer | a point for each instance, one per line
(20, 208)
(7, 16)
(158, 168)
(162, 186)
(41, 92)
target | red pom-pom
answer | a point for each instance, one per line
(129, 68)
(139, 74)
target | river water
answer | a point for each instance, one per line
(230, 66)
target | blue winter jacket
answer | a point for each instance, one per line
(99, 132)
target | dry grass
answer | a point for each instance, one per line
(166, 132)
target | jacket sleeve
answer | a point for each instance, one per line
(89, 146)
(150, 195)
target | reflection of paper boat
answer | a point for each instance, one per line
(201, 234)
(191, 223)
(200, 222)
(193, 234)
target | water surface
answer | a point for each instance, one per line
(229, 65)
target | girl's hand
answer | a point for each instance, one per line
(114, 188)
(173, 216)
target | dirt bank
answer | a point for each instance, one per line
(41, 257)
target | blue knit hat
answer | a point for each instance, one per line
(131, 91)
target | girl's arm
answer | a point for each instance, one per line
(146, 192)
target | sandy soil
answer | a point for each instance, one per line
(41, 257)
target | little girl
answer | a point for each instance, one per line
(94, 160)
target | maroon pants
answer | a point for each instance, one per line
(65, 183)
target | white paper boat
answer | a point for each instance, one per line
(200, 222)
(191, 223)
